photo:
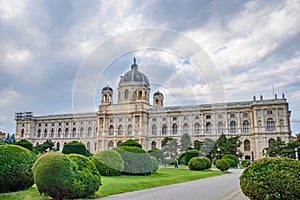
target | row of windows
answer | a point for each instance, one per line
(60, 133)
(60, 123)
(220, 116)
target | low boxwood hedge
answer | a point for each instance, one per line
(15, 171)
(272, 178)
(131, 143)
(231, 159)
(136, 160)
(108, 163)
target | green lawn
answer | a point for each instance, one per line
(120, 184)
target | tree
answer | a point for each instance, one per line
(228, 145)
(170, 149)
(279, 148)
(208, 148)
(197, 144)
(185, 142)
(48, 145)
(165, 141)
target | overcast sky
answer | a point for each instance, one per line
(48, 48)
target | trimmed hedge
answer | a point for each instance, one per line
(66, 176)
(197, 163)
(75, 147)
(207, 161)
(25, 143)
(15, 171)
(108, 163)
(222, 165)
(190, 154)
(231, 159)
(131, 143)
(88, 179)
(272, 178)
(157, 153)
(136, 160)
(155, 164)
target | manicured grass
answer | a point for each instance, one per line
(121, 184)
(164, 176)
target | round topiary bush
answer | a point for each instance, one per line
(61, 176)
(155, 164)
(231, 159)
(136, 160)
(108, 163)
(88, 179)
(207, 161)
(131, 143)
(15, 171)
(25, 143)
(75, 147)
(197, 163)
(222, 165)
(190, 154)
(272, 178)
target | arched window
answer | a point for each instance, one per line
(74, 132)
(208, 127)
(88, 146)
(126, 94)
(140, 94)
(45, 133)
(246, 126)
(57, 146)
(174, 129)
(110, 145)
(153, 129)
(111, 130)
(164, 129)
(220, 127)
(52, 133)
(22, 133)
(129, 130)
(270, 124)
(247, 145)
(59, 132)
(271, 142)
(119, 143)
(153, 144)
(232, 128)
(120, 130)
(67, 132)
(185, 128)
(90, 132)
(81, 132)
(197, 128)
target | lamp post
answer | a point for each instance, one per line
(296, 153)
(218, 153)
(237, 159)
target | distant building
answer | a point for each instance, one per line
(258, 122)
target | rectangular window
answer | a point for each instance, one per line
(129, 119)
(197, 117)
(220, 116)
(59, 124)
(185, 117)
(52, 124)
(245, 114)
(164, 119)
(174, 118)
(232, 115)
(154, 119)
(111, 120)
(74, 123)
(120, 119)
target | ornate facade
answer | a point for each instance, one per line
(258, 122)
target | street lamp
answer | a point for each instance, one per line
(218, 153)
(296, 153)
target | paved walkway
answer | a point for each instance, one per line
(223, 187)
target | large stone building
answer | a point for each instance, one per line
(259, 122)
